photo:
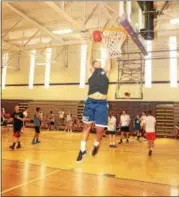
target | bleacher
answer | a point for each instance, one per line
(75, 107)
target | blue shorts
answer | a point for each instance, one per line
(96, 111)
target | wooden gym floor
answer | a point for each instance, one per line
(50, 169)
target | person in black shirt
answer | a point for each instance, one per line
(96, 106)
(18, 119)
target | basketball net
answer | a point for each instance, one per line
(113, 39)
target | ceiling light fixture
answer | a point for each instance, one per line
(62, 31)
(174, 21)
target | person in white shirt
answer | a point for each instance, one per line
(124, 124)
(112, 130)
(68, 126)
(61, 116)
(149, 125)
(52, 120)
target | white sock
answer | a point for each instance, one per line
(96, 143)
(113, 143)
(83, 146)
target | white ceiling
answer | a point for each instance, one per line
(29, 24)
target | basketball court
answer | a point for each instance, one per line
(45, 50)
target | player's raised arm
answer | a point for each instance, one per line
(89, 59)
(108, 66)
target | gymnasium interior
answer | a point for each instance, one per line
(44, 64)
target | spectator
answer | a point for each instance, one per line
(61, 116)
(52, 120)
(68, 126)
(124, 122)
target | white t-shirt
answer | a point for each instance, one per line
(111, 123)
(69, 118)
(61, 114)
(25, 114)
(150, 124)
(125, 120)
(52, 118)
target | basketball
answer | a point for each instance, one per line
(97, 37)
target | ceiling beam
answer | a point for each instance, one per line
(33, 21)
(48, 45)
(62, 13)
(112, 18)
(91, 14)
(11, 44)
(12, 27)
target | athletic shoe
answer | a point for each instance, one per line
(12, 147)
(138, 137)
(38, 142)
(110, 145)
(80, 156)
(94, 150)
(18, 146)
(150, 152)
(114, 146)
(127, 141)
(34, 142)
(120, 142)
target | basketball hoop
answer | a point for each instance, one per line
(113, 39)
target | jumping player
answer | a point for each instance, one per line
(96, 108)
(37, 124)
(149, 126)
(18, 119)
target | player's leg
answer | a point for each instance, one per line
(110, 140)
(114, 140)
(127, 134)
(121, 136)
(150, 147)
(101, 121)
(35, 135)
(88, 118)
(14, 139)
(18, 141)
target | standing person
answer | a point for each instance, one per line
(142, 126)
(61, 116)
(124, 122)
(137, 126)
(37, 124)
(52, 120)
(96, 108)
(68, 126)
(112, 130)
(18, 120)
(149, 126)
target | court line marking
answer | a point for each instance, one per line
(31, 181)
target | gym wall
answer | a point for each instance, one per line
(65, 76)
